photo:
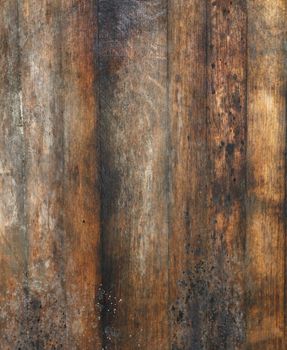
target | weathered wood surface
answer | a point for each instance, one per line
(143, 174)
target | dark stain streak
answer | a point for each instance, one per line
(230, 149)
(236, 101)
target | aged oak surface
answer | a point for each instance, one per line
(143, 174)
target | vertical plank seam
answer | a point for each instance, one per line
(207, 133)
(99, 167)
(246, 167)
(169, 167)
(206, 74)
(285, 187)
(63, 164)
(22, 127)
(100, 172)
(285, 194)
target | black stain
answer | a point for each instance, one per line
(230, 149)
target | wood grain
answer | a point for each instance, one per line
(81, 173)
(266, 175)
(82, 205)
(40, 65)
(143, 174)
(227, 162)
(133, 109)
(13, 265)
(55, 278)
(188, 172)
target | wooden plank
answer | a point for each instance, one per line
(81, 168)
(224, 272)
(43, 131)
(266, 174)
(188, 164)
(62, 200)
(133, 107)
(12, 220)
(208, 164)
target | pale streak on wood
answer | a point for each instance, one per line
(266, 174)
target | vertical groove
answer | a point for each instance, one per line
(100, 292)
(169, 167)
(25, 321)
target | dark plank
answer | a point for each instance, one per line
(266, 174)
(208, 173)
(133, 107)
(224, 270)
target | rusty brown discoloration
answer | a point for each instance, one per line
(81, 167)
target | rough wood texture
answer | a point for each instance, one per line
(143, 174)
(134, 173)
(42, 144)
(226, 124)
(188, 177)
(266, 175)
(12, 233)
(81, 210)
(51, 192)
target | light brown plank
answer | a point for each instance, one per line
(81, 169)
(43, 131)
(266, 174)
